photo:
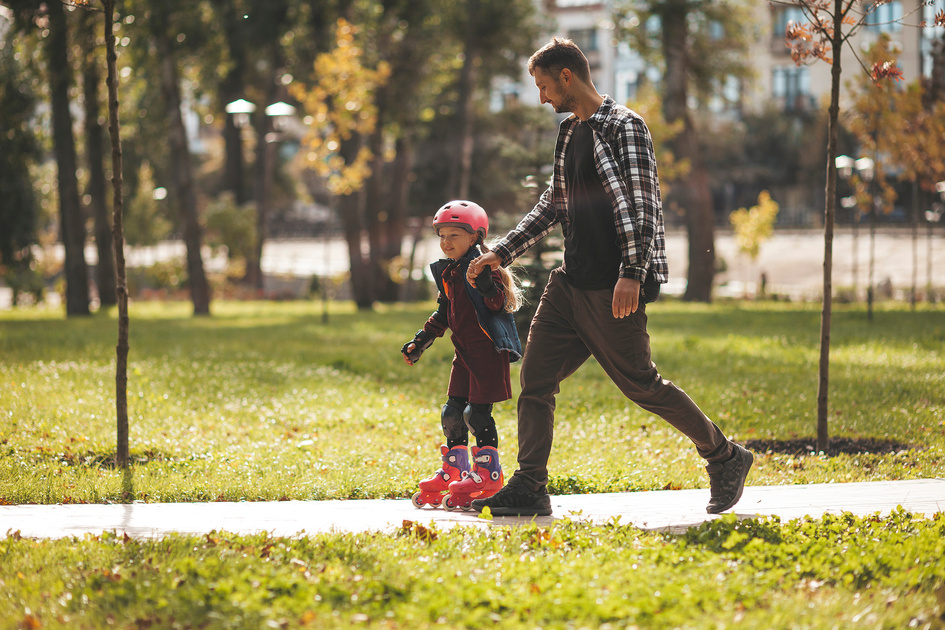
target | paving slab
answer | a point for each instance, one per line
(665, 510)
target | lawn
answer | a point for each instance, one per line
(264, 401)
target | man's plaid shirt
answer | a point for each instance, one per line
(626, 164)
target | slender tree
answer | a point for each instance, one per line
(118, 238)
(830, 25)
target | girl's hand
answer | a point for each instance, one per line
(489, 259)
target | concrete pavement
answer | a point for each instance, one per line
(667, 510)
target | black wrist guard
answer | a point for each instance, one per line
(485, 283)
(422, 340)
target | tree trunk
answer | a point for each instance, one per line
(461, 166)
(70, 210)
(694, 194)
(915, 245)
(830, 209)
(266, 162)
(265, 174)
(350, 211)
(399, 190)
(95, 154)
(121, 285)
(376, 215)
(362, 278)
(231, 89)
(182, 170)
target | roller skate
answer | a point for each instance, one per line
(484, 480)
(455, 467)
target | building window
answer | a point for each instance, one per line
(885, 18)
(785, 16)
(585, 38)
(791, 85)
(930, 34)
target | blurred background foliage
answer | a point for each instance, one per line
(393, 109)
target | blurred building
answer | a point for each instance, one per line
(617, 70)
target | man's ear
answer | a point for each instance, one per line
(566, 76)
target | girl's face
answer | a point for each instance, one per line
(455, 242)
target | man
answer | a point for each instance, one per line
(605, 194)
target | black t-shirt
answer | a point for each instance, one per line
(591, 254)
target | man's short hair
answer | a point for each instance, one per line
(558, 54)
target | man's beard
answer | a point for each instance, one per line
(567, 105)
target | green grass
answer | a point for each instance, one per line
(263, 401)
(836, 572)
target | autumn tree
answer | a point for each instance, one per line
(871, 122)
(753, 226)
(342, 106)
(913, 116)
(830, 25)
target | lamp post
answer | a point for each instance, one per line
(933, 215)
(865, 169)
(240, 112)
(845, 171)
(277, 115)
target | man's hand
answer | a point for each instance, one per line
(626, 297)
(489, 259)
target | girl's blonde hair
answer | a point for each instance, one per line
(513, 292)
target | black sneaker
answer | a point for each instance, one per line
(727, 480)
(516, 500)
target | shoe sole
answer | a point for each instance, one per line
(541, 510)
(499, 511)
(741, 488)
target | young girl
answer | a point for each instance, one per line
(485, 342)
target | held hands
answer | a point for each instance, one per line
(626, 297)
(476, 267)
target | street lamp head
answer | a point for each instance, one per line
(279, 112)
(865, 168)
(844, 166)
(240, 109)
(940, 189)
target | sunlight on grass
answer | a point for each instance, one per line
(264, 401)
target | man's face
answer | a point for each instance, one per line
(552, 89)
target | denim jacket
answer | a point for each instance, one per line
(499, 327)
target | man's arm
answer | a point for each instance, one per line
(637, 161)
(531, 229)
(627, 166)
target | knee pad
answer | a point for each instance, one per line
(478, 417)
(451, 418)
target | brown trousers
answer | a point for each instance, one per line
(570, 326)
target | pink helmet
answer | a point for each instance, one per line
(463, 214)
